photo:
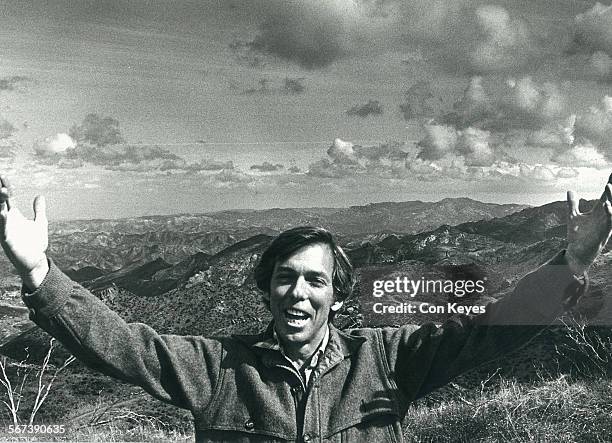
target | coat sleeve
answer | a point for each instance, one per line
(424, 358)
(181, 370)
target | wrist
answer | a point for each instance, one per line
(34, 278)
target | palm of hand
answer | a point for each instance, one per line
(588, 233)
(24, 241)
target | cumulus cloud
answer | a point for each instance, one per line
(558, 138)
(601, 65)
(457, 34)
(446, 153)
(326, 169)
(311, 34)
(56, 144)
(529, 101)
(451, 166)
(518, 104)
(97, 131)
(583, 139)
(417, 101)
(167, 163)
(316, 34)
(567, 173)
(581, 155)
(504, 43)
(455, 167)
(384, 152)
(61, 150)
(472, 144)
(342, 152)
(594, 127)
(439, 141)
(146, 159)
(491, 123)
(475, 107)
(593, 29)
(115, 155)
(542, 173)
(372, 107)
(267, 167)
(347, 159)
(98, 141)
(537, 172)
(460, 35)
(229, 178)
(591, 49)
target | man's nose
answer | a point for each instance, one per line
(300, 288)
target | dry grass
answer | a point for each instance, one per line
(571, 404)
(553, 410)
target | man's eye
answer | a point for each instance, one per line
(318, 282)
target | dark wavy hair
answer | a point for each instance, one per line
(288, 242)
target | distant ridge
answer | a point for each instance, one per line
(98, 247)
(215, 293)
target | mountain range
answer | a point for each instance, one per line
(214, 293)
(193, 274)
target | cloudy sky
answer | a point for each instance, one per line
(116, 108)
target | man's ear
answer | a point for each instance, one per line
(336, 306)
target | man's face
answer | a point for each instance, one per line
(302, 295)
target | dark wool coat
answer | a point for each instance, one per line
(239, 391)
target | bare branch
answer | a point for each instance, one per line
(6, 382)
(43, 389)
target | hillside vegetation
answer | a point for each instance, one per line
(556, 388)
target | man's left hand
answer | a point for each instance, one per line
(588, 233)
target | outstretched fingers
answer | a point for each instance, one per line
(40, 210)
(3, 202)
(607, 194)
(608, 214)
(4, 194)
(572, 204)
(608, 208)
(605, 210)
(606, 201)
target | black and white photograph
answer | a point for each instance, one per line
(305, 221)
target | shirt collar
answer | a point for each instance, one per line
(272, 342)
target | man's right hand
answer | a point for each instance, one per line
(24, 241)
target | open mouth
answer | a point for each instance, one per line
(296, 317)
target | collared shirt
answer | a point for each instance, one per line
(305, 370)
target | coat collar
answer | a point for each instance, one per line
(340, 346)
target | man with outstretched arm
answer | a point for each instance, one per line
(301, 379)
